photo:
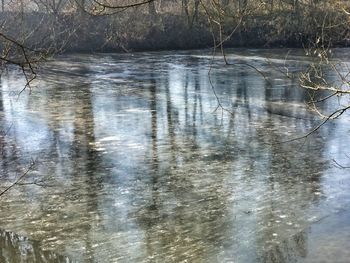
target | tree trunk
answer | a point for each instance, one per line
(195, 12)
(152, 8)
(185, 9)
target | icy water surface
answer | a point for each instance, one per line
(135, 162)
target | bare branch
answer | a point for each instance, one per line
(339, 165)
(18, 179)
(334, 115)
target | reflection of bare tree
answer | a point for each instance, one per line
(154, 123)
(188, 102)
(1, 98)
(241, 110)
(197, 99)
(193, 85)
(77, 161)
(10, 161)
(177, 219)
(241, 98)
(287, 251)
(15, 248)
(293, 182)
(200, 190)
(186, 85)
(86, 164)
(178, 225)
(172, 118)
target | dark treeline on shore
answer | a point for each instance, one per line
(115, 25)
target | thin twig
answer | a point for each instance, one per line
(334, 115)
(339, 165)
(18, 179)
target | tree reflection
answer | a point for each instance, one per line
(179, 219)
(149, 172)
(292, 185)
(1, 98)
(177, 203)
(289, 250)
(15, 248)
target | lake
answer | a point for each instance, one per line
(172, 157)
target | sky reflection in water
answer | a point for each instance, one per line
(135, 165)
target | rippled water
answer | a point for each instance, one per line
(135, 162)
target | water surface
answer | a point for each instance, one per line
(135, 161)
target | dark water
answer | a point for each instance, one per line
(134, 162)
